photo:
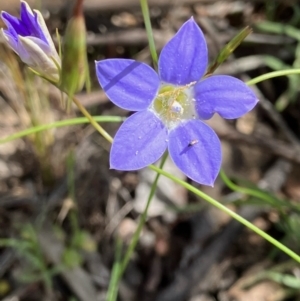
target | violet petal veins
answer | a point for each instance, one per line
(172, 106)
(30, 39)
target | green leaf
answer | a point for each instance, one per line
(228, 50)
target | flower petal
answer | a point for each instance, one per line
(34, 56)
(11, 39)
(27, 17)
(40, 43)
(34, 23)
(196, 150)
(225, 95)
(184, 58)
(140, 141)
(43, 33)
(129, 84)
(14, 24)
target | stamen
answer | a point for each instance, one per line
(174, 104)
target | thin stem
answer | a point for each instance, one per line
(112, 292)
(257, 193)
(146, 15)
(142, 221)
(234, 215)
(59, 124)
(91, 120)
(269, 75)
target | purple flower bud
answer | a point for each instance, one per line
(29, 37)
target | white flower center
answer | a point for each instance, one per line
(174, 104)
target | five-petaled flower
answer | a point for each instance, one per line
(30, 39)
(171, 107)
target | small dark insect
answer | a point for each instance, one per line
(193, 142)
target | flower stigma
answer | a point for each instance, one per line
(174, 104)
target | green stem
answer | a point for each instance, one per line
(234, 215)
(269, 75)
(112, 292)
(91, 120)
(59, 124)
(146, 15)
(255, 193)
(269, 199)
(142, 221)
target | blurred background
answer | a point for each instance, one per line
(61, 208)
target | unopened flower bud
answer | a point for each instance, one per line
(29, 37)
(74, 62)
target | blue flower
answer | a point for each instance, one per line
(172, 106)
(30, 39)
